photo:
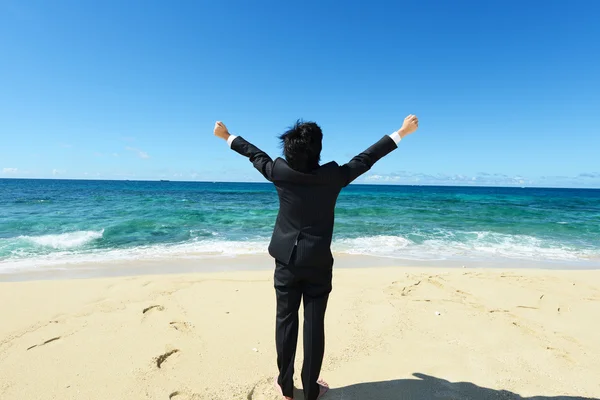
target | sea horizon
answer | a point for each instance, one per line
(517, 186)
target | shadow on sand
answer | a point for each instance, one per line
(428, 388)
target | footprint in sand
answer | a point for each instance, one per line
(265, 390)
(160, 360)
(407, 289)
(46, 342)
(180, 326)
(394, 288)
(156, 307)
(528, 307)
(183, 395)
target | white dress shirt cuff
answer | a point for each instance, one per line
(396, 137)
(230, 140)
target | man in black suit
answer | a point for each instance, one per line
(301, 241)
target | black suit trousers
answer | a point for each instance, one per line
(312, 285)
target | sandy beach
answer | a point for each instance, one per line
(392, 333)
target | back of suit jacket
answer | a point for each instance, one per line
(307, 200)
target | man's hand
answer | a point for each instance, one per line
(411, 124)
(221, 131)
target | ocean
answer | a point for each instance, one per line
(47, 224)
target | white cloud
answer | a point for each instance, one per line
(58, 171)
(140, 153)
(382, 178)
(589, 175)
(10, 170)
(405, 177)
(586, 179)
(115, 154)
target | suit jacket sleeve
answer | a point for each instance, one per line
(365, 160)
(261, 160)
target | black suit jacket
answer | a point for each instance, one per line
(307, 200)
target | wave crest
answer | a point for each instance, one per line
(68, 240)
(450, 245)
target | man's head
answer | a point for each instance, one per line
(302, 146)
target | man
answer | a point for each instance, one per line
(301, 241)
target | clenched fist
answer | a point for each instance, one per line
(411, 124)
(221, 131)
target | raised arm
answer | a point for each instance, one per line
(261, 160)
(365, 160)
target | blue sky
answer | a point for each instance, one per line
(508, 93)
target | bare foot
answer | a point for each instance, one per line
(323, 388)
(278, 387)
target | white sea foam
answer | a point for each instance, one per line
(374, 245)
(187, 250)
(69, 240)
(446, 245)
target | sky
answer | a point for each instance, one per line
(507, 93)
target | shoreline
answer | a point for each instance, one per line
(394, 332)
(262, 262)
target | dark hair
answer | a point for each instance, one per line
(302, 146)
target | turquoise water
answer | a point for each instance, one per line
(45, 223)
